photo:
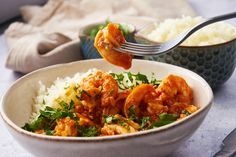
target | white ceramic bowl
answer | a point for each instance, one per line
(16, 109)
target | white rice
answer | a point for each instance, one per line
(46, 96)
(210, 35)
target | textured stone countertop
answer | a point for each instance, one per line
(220, 121)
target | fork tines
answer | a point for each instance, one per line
(138, 49)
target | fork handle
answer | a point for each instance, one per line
(205, 23)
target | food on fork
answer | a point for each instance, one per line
(112, 37)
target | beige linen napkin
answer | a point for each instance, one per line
(49, 34)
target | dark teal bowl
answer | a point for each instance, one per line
(215, 63)
(86, 42)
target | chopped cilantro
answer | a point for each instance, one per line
(35, 125)
(124, 29)
(122, 123)
(185, 112)
(109, 119)
(85, 131)
(165, 119)
(49, 132)
(93, 32)
(141, 121)
(48, 116)
(166, 116)
(132, 114)
(134, 79)
(144, 122)
(112, 119)
(141, 77)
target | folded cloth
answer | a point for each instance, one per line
(49, 34)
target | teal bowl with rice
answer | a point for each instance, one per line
(215, 63)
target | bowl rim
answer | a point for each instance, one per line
(139, 34)
(18, 129)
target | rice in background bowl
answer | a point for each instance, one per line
(212, 53)
(210, 35)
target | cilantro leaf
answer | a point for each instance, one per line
(124, 29)
(86, 131)
(168, 117)
(93, 32)
(144, 122)
(185, 112)
(132, 114)
(165, 119)
(134, 79)
(112, 119)
(48, 116)
(109, 119)
(35, 125)
(141, 77)
(49, 132)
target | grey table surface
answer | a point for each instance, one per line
(220, 121)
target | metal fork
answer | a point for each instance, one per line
(158, 48)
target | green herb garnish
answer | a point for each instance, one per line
(165, 119)
(49, 132)
(124, 29)
(132, 115)
(109, 119)
(128, 80)
(112, 119)
(144, 122)
(185, 112)
(48, 116)
(93, 32)
(46, 119)
(141, 121)
(86, 131)
(35, 125)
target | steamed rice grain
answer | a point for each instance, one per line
(46, 96)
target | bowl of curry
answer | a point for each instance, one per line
(75, 110)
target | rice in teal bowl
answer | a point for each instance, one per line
(210, 52)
